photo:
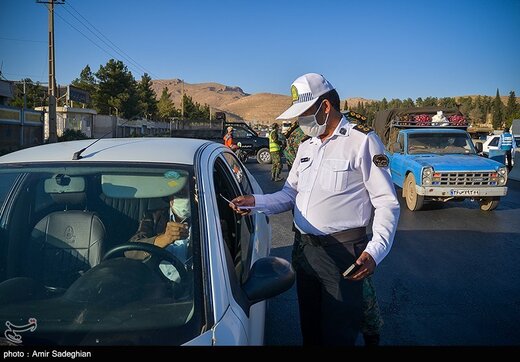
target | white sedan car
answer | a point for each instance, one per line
(78, 264)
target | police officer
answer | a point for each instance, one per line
(275, 150)
(338, 175)
(507, 143)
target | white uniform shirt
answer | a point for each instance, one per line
(333, 186)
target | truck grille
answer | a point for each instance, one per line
(464, 179)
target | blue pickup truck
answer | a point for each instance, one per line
(432, 158)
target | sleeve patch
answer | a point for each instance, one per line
(380, 160)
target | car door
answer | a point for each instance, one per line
(254, 244)
(232, 246)
(493, 144)
(398, 163)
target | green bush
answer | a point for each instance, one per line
(72, 135)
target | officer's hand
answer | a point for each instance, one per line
(174, 231)
(247, 200)
(368, 265)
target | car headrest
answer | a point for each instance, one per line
(69, 198)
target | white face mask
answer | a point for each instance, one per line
(310, 126)
(181, 207)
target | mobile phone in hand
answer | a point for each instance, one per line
(242, 207)
(351, 270)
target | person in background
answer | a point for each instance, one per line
(507, 143)
(275, 148)
(228, 139)
(339, 176)
(294, 137)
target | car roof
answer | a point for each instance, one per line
(169, 150)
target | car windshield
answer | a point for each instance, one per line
(78, 261)
(440, 143)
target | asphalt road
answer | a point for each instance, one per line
(451, 278)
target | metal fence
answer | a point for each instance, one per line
(19, 128)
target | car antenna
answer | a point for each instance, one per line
(77, 155)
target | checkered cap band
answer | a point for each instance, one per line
(304, 97)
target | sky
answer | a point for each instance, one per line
(365, 48)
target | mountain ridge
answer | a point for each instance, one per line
(257, 108)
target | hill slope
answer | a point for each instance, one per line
(257, 108)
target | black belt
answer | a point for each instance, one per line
(350, 235)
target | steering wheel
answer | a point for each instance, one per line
(157, 255)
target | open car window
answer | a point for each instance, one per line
(78, 255)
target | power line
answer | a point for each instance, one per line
(24, 75)
(24, 40)
(108, 45)
(90, 40)
(112, 46)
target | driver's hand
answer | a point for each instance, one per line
(174, 231)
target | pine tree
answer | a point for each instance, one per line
(512, 105)
(345, 105)
(408, 103)
(117, 88)
(465, 105)
(147, 97)
(447, 102)
(87, 82)
(476, 113)
(430, 102)
(165, 107)
(384, 104)
(35, 95)
(498, 112)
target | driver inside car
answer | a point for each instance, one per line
(166, 225)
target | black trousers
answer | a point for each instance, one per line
(508, 157)
(331, 307)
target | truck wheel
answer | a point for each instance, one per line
(489, 203)
(263, 156)
(414, 201)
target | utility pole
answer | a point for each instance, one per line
(52, 70)
(182, 100)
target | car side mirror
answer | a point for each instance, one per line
(396, 148)
(478, 147)
(268, 277)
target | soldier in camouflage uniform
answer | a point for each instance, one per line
(294, 137)
(275, 146)
(372, 321)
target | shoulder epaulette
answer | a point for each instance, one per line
(356, 116)
(363, 129)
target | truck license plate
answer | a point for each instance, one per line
(464, 192)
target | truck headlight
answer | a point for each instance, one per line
(502, 176)
(427, 173)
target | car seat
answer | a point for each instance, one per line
(66, 243)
